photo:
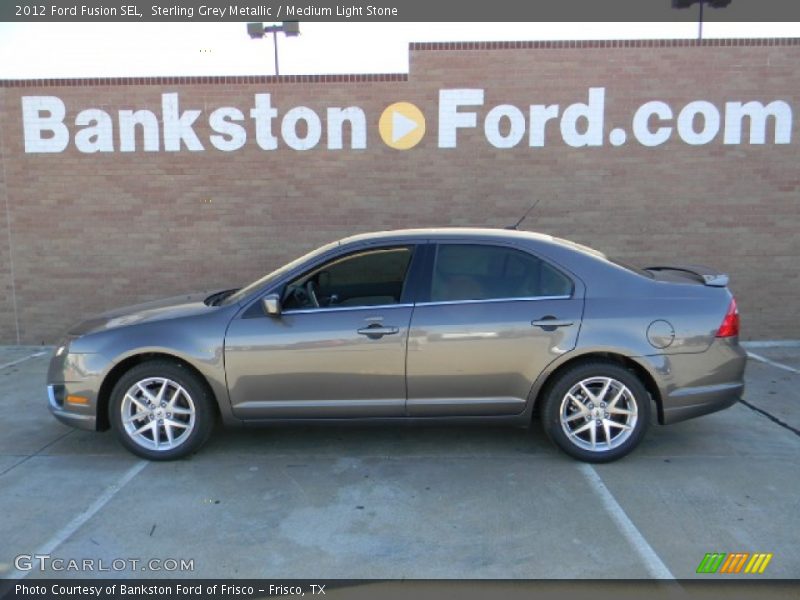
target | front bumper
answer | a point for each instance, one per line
(78, 375)
(80, 420)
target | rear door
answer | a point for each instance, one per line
(493, 318)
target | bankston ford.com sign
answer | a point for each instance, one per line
(401, 125)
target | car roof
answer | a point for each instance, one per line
(478, 233)
(445, 232)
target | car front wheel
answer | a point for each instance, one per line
(596, 412)
(161, 411)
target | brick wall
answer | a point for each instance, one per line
(94, 231)
(8, 332)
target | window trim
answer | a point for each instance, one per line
(329, 309)
(494, 300)
(424, 296)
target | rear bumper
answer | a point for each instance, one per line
(695, 384)
(688, 403)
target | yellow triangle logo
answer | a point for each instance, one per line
(402, 125)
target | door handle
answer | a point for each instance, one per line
(377, 331)
(550, 323)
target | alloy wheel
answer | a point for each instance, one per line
(598, 414)
(158, 413)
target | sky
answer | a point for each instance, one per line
(53, 50)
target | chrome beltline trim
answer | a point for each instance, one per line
(493, 300)
(437, 303)
(302, 311)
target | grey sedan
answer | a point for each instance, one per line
(431, 325)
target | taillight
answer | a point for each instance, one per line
(730, 324)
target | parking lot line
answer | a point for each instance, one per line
(770, 416)
(23, 359)
(37, 453)
(778, 365)
(75, 524)
(652, 562)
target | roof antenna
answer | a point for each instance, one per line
(525, 216)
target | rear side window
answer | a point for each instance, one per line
(480, 272)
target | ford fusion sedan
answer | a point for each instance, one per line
(432, 325)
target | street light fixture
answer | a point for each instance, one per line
(289, 29)
(711, 3)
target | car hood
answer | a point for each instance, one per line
(156, 310)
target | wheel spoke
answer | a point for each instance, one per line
(145, 427)
(613, 403)
(156, 434)
(177, 410)
(175, 397)
(619, 425)
(583, 428)
(586, 391)
(146, 392)
(583, 408)
(160, 397)
(619, 411)
(168, 429)
(593, 433)
(604, 390)
(141, 405)
(178, 424)
(607, 431)
(574, 417)
(136, 417)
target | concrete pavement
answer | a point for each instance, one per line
(400, 502)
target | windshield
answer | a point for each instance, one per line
(276, 274)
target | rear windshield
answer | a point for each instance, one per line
(600, 255)
(624, 265)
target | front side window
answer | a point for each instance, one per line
(368, 278)
(481, 272)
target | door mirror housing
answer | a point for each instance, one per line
(271, 304)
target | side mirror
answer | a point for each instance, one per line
(271, 304)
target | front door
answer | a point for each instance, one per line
(338, 348)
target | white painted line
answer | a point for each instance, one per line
(778, 365)
(23, 359)
(71, 527)
(772, 344)
(654, 565)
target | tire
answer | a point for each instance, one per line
(178, 419)
(580, 403)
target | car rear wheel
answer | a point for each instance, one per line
(596, 412)
(161, 411)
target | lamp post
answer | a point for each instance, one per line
(289, 29)
(711, 3)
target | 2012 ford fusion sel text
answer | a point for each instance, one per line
(429, 325)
